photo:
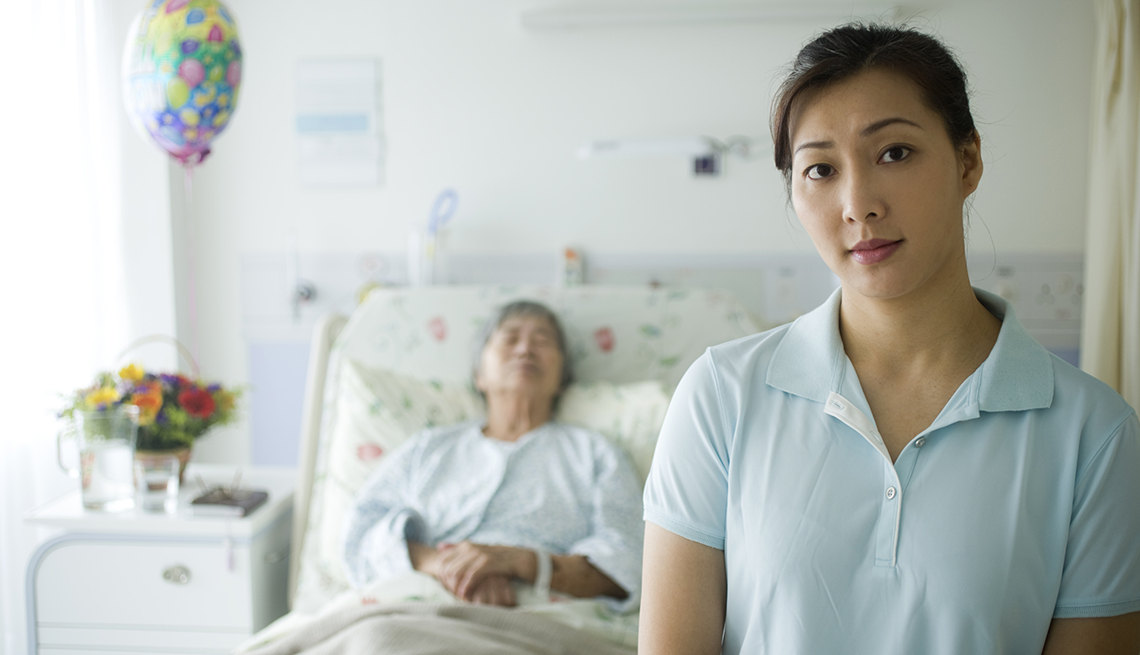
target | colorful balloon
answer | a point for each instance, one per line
(181, 74)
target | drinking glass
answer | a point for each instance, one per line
(156, 475)
(105, 440)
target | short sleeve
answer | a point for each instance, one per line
(614, 545)
(381, 521)
(687, 489)
(1102, 558)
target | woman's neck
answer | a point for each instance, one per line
(510, 416)
(941, 326)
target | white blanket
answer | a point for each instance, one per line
(416, 614)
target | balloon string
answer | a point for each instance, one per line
(191, 273)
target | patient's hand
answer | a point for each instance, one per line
(495, 590)
(463, 567)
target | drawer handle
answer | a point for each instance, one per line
(177, 575)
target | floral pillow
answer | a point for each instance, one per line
(377, 410)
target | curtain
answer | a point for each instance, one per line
(1110, 336)
(61, 259)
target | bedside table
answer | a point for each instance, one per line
(152, 582)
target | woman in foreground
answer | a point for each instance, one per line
(902, 470)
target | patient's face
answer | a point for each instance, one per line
(878, 184)
(522, 357)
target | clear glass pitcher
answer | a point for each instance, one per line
(105, 440)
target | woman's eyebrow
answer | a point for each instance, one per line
(878, 125)
(867, 131)
(818, 145)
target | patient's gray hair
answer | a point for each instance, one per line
(524, 308)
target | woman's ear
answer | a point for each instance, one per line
(970, 162)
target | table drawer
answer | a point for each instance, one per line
(136, 583)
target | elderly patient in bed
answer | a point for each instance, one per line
(517, 499)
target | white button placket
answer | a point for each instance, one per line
(887, 531)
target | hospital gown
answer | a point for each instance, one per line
(560, 488)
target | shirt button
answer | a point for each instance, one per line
(920, 442)
(890, 493)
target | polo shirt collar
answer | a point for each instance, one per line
(1018, 374)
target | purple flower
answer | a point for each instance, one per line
(213, 388)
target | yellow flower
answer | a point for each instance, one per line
(101, 396)
(131, 373)
(225, 400)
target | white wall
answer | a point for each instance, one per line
(473, 101)
(146, 225)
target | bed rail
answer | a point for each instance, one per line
(326, 332)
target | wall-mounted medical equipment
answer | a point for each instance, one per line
(427, 262)
(706, 152)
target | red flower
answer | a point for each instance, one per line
(438, 328)
(605, 339)
(197, 402)
(368, 451)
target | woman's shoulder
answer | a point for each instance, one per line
(754, 344)
(1097, 405)
(742, 359)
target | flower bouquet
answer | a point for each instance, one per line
(173, 409)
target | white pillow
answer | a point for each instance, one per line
(630, 415)
(377, 410)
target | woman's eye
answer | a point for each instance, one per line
(895, 153)
(820, 171)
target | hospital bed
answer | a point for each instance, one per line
(402, 362)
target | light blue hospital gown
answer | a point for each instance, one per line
(561, 488)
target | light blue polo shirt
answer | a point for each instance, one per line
(1020, 503)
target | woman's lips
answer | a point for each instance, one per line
(874, 250)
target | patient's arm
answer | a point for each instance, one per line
(463, 568)
(575, 575)
(425, 559)
(495, 590)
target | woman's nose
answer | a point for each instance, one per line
(862, 201)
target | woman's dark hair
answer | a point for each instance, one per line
(525, 308)
(850, 49)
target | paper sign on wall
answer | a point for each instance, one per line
(338, 122)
